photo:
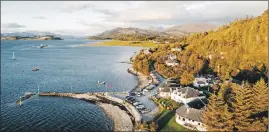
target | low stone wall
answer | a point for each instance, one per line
(131, 109)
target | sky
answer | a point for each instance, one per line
(82, 18)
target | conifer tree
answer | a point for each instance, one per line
(243, 108)
(217, 116)
(260, 91)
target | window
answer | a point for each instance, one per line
(183, 119)
(199, 124)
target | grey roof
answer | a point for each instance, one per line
(173, 85)
(172, 61)
(198, 103)
(164, 89)
(193, 114)
(191, 92)
(201, 82)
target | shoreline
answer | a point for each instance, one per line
(123, 119)
(143, 81)
(144, 44)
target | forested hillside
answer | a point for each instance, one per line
(238, 50)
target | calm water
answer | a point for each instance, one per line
(61, 66)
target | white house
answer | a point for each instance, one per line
(146, 51)
(164, 92)
(171, 62)
(172, 57)
(190, 118)
(166, 89)
(186, 95)
(176, 49)
(200, 82)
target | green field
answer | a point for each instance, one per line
(127, 43)
(172, 125)
(166, 122)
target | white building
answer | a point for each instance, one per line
(172, 57)
(166, 89)
(186, 95)
(200, 82)
(146, 51)
(190, 118)
(176, 49)
(171, 62)
(164, 92)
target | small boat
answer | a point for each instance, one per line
(43, 46)
(35, 69)
(98, 82)
(13, 57)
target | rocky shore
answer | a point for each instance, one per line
(143, 81)
(124, 119)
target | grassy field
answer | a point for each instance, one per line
(166, 122)
(127, 43)
(172, 125)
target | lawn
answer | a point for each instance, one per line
(166, 122)
(173, 126)
(127, 43)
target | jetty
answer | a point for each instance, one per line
(124, 115)
(26, 96)
(127, 62)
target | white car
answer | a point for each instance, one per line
(145, 111)
(140, 106)
(145, 90)
(139, 94)
(137, 103)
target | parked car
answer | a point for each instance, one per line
(145, 90)
(140, 106)
(143, 111)
(137, 103)
(131, 94)
(128, 97)
(139, 94)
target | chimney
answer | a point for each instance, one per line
(188, 109)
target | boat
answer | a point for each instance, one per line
(98, 82)
(13, 57)
(35, 69)
(43, 46)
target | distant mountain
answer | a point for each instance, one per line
(152, 28)
(129, 31)
(185, 29)
(180, 30)
(35, 33)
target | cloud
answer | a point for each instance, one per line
(82, 5)
(105, 11)
(76, 6)
(39, 17)
(12, 25)
(179, 12)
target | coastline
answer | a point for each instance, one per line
(120, 43)
(123, 118)
(143, 81)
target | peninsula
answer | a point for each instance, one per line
(46, 37)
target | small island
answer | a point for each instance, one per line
(46, 37)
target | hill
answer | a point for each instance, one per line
(238, 50)
(185, 29)
(153, 32)
(35, 33)
(128, 33)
